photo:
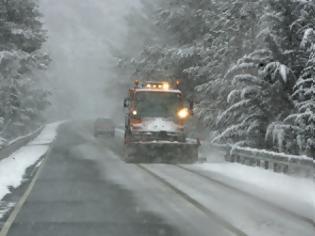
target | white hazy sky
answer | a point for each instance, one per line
(78, 32)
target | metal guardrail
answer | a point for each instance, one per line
(12, 146)
(277, 162)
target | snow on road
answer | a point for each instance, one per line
(48, 135)
(293, 193)
(13, 168)
(242, 211)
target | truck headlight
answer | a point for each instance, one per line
(183, 113)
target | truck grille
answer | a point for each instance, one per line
(158, 136)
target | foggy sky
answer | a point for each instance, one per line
(78, 34)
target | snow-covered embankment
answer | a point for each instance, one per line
(13, 168)
(293, 193)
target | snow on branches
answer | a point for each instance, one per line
(21, 38)
(249, 65)
(253, 103)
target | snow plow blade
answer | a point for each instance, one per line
(161, 152)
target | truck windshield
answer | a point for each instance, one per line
(157, 104)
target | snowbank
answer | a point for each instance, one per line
(23, 137)
(293, 193)
(48, 134)
(13, 168)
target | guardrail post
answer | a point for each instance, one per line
(233, 158)
(265, 164)
(275, 167)
(268, 165)
(253, 162)
(228, 157)
(258, 163)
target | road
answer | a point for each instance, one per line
(83, 188)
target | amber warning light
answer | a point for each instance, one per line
(157, 85)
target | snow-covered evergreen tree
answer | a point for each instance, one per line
(296, 133)
(21, 38)
(255, 101)
(283, 25)
(233, 34)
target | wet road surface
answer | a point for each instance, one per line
(83, 188)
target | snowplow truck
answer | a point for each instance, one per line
(156, 114)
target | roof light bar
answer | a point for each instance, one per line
(157, 85)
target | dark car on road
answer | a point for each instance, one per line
(104, 127)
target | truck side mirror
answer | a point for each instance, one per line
(191, 107)
(126, 102)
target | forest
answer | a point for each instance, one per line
(249, 66)
(22, 63)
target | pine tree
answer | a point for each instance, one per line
(295, 134)
(21, 38)
(20, 25)
(255, 101)
(233, 34)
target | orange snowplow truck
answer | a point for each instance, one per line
(156, 114)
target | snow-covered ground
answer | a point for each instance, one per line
(48, 135)
(13, 168)
(292, 193)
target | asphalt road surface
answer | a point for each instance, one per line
(84, 188)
